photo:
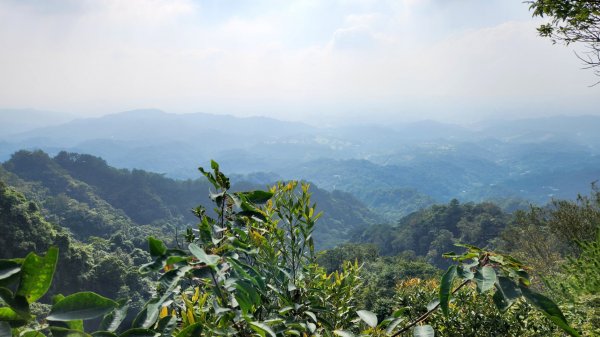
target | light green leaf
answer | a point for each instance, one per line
(343, 333)
(200, 254)
(262, 329)
(36, 275)
(368, 317)
(423, 331)
(84, 305)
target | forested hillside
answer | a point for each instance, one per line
(389, 270)
(83, 193)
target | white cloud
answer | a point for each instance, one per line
(330, 58)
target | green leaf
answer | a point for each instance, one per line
(17, 303)
(485, 278)
(464, 272)
(103, 334)
(137, 332)
(501, 302)
(343, 333)
(167, 325)
(157, 247)
(200, 254)
(64, 332)
(368, 317)
(390, 328)
(191, 331)
(549, 308)
(8, 268)
(423, 331)
(36, 275)
(262, 329)
(112, 320)
(9, 315)
(84, 305)
(257, 197)
(446, 288)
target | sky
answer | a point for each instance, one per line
(318, 61)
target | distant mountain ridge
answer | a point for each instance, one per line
(534, 159)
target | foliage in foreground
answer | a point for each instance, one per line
(250, 271)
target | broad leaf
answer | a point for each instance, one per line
(36, 275)
(262, 329)
(157, 247)
(485, 278)
(549, 308)
(113, 319)
(368, 317)
(84, 305)
(257, 197)
(423, 331)
(343, 333)
(446, 288)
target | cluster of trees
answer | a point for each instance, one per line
(250, 270)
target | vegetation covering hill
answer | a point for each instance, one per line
(249, 267)
(83, 193)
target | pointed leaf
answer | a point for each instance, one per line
(200, 254)
(36, 275)
(262, 328)
(113, 319)
(84, 305)
(368, 317)
(549, 308)
(446, 288)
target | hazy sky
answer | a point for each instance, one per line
(453, 60)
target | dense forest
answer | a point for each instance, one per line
(100, 218)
